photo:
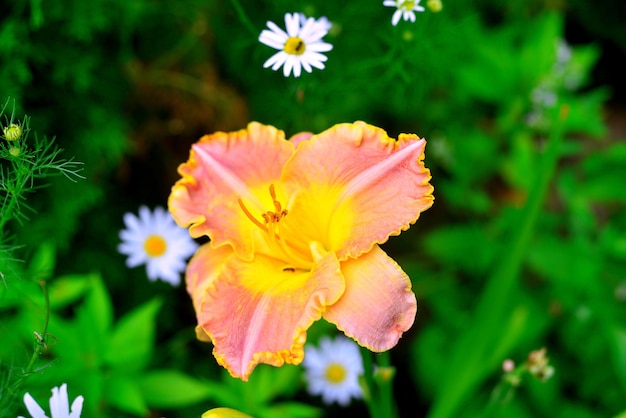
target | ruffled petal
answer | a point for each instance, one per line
(222, 168)
(258, 312)
(302, 136)
(203, 269)
(378, 304)
(354, 187)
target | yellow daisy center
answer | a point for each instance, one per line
(335, 373)
(407, 5)
(295, 46)
(155, 245)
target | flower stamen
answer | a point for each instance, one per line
(271, 227)
(250, 216)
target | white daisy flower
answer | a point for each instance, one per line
(406, 9)
(333, 370)
(59, 405)
(299, 47)
(155, 240)
(323, 22)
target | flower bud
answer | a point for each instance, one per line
(12, 132)
(538, 365)
(384, 374)
(434, 6)
(15, 151)
(508, 366)
(224, 413)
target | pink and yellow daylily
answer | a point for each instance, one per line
(295, 227)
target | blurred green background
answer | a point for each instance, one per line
(522, 103)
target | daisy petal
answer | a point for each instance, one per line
(292, 23)
(314, 57)
(319, 47)
(297, 68)
(289, 62)
(77, 407)
(277, 30)
(271, 39)
(33, 407)
(275, 60)
(396, 17)
(306, 66)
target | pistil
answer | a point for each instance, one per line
(271, 226)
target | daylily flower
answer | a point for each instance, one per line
(295, 228)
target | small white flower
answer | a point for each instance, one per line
(59, 405)
(322, 22)
(299, 47)
(155, 240)
(406, 9)
(333, 370)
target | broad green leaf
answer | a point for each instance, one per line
(124, 393)
(94, 317)
(268, 382)
(291, 410)
(41, 265)
(67, 289)
(132, 340)
(173, 389)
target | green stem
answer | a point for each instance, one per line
(244, 18)
(40, 339)
(367, 383)
(378, 385)
(385, 381)
(471, 359)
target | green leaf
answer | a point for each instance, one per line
(43, 261)
(94, 318)
(268, 382)
(132, 340)
(291, 410)
(468, 247)
(124, 393)
(173, 389)
(67, 289)
(619, 354)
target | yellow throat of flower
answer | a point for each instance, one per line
(271, 226)
(294, 46)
